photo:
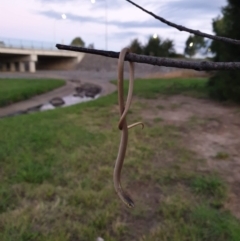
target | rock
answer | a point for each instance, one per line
(90, 94)
(88, 90)
(79, 89)
(100, 239)
(57, 101)
(34, 109)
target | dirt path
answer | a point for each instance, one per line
(209, 129)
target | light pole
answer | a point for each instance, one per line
(106, 22)
(106, 28)
(63, 16)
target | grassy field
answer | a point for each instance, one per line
(56, 176)
(151, 89)
(14, 90)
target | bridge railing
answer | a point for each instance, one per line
(26, 44)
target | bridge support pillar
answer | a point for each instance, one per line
(12, 67)
(21, 66)
(32, 67)
(32, 63)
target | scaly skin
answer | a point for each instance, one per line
(123, 127)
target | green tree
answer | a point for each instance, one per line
(194, 44)
(78, 42)
(152, 47)
(136, 47)
(225, 85)
(167, 48)
(158, 47)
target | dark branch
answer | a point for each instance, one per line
(182, 28)
(203, 65)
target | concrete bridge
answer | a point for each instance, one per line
(23, 58)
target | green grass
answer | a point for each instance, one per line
(152, 88)
(56, 179)
(14, 90)
(208, 185)
(182, 222)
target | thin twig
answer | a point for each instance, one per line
(182, 28)
(203, 65)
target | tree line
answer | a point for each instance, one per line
(156, 46)
(223, 85)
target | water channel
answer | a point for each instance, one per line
(83, 93)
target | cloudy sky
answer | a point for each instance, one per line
(41, 20)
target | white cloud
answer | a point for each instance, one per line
(41, 20)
